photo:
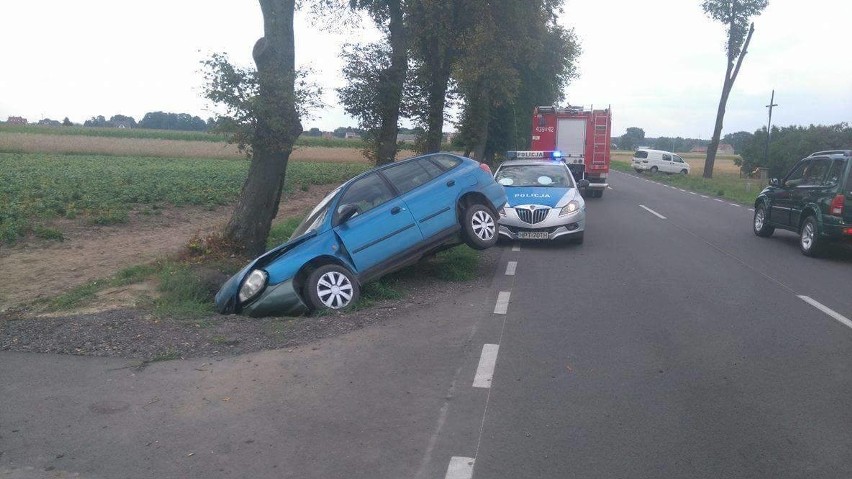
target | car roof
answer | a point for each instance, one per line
(531, 163)
(831, 153)
(655, 151)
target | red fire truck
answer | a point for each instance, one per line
(583, 136)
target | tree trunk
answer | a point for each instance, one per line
(437, 99)
(277, 128)
(393, 85)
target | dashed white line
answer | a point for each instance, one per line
(825, 309)
(460, 468)
(704, 196)
(510, 268)
(502, 302)
(693, 193)
(734, 204)
(516, 247)
(649, 210)
(751, 209)
(487, 361)
(717, 199)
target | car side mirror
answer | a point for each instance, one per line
(584, 183)
(775, 182)
(346, 212)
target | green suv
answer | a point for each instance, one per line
(814, 200)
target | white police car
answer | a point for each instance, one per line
(544, 200)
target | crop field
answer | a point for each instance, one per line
(37, 188)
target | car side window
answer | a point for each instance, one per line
(667, 157)
(446, 162)
(406, 176)
(834, 173)
(816, 173)
(794, 178)
(432, 168)
(366, 193)
(678, 159)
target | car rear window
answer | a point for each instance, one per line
(640, 154)
(446, 162)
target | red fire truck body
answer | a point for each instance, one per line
(583, 136)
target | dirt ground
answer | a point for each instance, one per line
(48, 268)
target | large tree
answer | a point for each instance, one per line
(266, 123)
(736, 15)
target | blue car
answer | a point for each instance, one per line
(375, 223)
(544, 200)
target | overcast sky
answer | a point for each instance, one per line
(658, 63)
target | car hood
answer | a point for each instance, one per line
(226, 298)
(532, 195)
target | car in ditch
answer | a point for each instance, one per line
(814, 200)
(380, 221)
(544, 200)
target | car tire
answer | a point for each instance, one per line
(331, 287)
(599, 193)
(638, 170)
(479, 225)
(684, 172)
(654, 170)
(760, 226)
(809, 241)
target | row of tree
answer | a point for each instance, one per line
(157, 120)
(788, 144)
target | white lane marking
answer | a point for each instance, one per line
(693, 193)
(609, 187)
(516, 247)
(825, 309)
(487, 361)
(717, 199)
(704, 196)
(649, 210)
(734, 204)
(510, 268)
(502, 302)
(751, 209)
(460, 468)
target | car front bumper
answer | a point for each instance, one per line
(276, 300)
(554, 226)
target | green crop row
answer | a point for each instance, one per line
(37, 188)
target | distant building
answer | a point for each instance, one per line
(49, 122)
(16, 120)
(327, 135)
(724, 149)
(351, 135)
(122, 124)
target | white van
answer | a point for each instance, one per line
(657, 160)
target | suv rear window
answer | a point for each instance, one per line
(640, 154)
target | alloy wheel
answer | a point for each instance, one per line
(334, 289)
(483, 225)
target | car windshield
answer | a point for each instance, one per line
(544, 175)
(315, 217)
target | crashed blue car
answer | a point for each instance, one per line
(544, 200)
(380, 221)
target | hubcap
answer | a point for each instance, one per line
(483, 225)
(758, 220)
(334, 290)
(808, 236)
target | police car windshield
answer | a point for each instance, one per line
(544, 175)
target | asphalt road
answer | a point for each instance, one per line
(672, 343)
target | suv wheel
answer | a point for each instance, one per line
(809, 241)
(761, 228)
(480, 227)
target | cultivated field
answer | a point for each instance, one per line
(723, 166)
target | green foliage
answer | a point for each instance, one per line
(632, 138)
(365, 93)
(790, 144)
(735, 15)
(137, 133)
(104, 190)
(280, 232)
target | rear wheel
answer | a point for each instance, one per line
(809, 240)
(479, 226)
(761, 227)
(331, 287)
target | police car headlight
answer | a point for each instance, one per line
(570, 208)
(252, 285)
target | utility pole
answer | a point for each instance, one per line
(768, 128)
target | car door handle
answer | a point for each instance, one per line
(451, 183)
(395, 210)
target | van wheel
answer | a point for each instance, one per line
(480, 227)
(654, 170)
(761, 227)
(684, 172)
(809, 240)
(638, 170)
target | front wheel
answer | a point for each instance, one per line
(331, 287)
(654, 170)
(809, 240)
(684, 172)
(480, 227)
(761, 227)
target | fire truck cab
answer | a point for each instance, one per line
(582, 136)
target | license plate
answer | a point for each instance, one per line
(533, 235)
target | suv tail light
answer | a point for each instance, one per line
(836, 207)
(485, 168)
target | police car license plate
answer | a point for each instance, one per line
(533, 235)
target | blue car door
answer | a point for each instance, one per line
(432, 201)
(383, 227)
